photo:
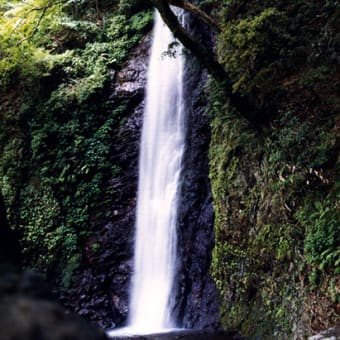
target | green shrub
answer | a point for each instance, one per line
(40, 226)
(55, 150)
(23, 32)
(246, 46)
(322, 221)
(129, 7)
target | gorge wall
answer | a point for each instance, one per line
(101, 289)
(198, 296)
(78, 200)
(274, 168)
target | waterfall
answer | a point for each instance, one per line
(161, 152)
(162, 147)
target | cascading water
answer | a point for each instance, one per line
(162, 148)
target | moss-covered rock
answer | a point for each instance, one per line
(275, 180)
(265, 244)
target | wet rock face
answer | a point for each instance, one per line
(100, 292)
(197, 305)
(198, 298)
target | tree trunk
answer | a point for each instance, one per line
(197, 12)
(207, 57)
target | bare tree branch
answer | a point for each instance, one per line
(186, 5)
(43, 10)
(207, 58)
(200, 51)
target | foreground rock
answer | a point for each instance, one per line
(27, 309)
(23, 318)
(186, 335)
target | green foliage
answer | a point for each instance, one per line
(56, 144)
(129, 7)
(249, 45)
(73, 158)
(22, 30)
(31, 42)
(72, 32)
(39, 217)
(275, 184)
(262, 252)
(322, 220)
(71, 266)
(313, 147)
(88, 69)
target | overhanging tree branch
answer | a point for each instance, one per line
(184, 4)
(207, 58)
(43, 10)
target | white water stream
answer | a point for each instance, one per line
(162, 148)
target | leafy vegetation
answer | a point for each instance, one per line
(22, 52)
(56, 140)
(321, 221)
(251, 45)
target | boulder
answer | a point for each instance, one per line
(24, 318)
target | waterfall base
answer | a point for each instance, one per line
(136, 333)
(181, 335)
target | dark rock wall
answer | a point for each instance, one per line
(198, 303)
(101, 291)
(9, 247)
(198, 298)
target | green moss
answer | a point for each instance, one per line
(273, 243)
(269, 232)
(249, 45)
(95, 247)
